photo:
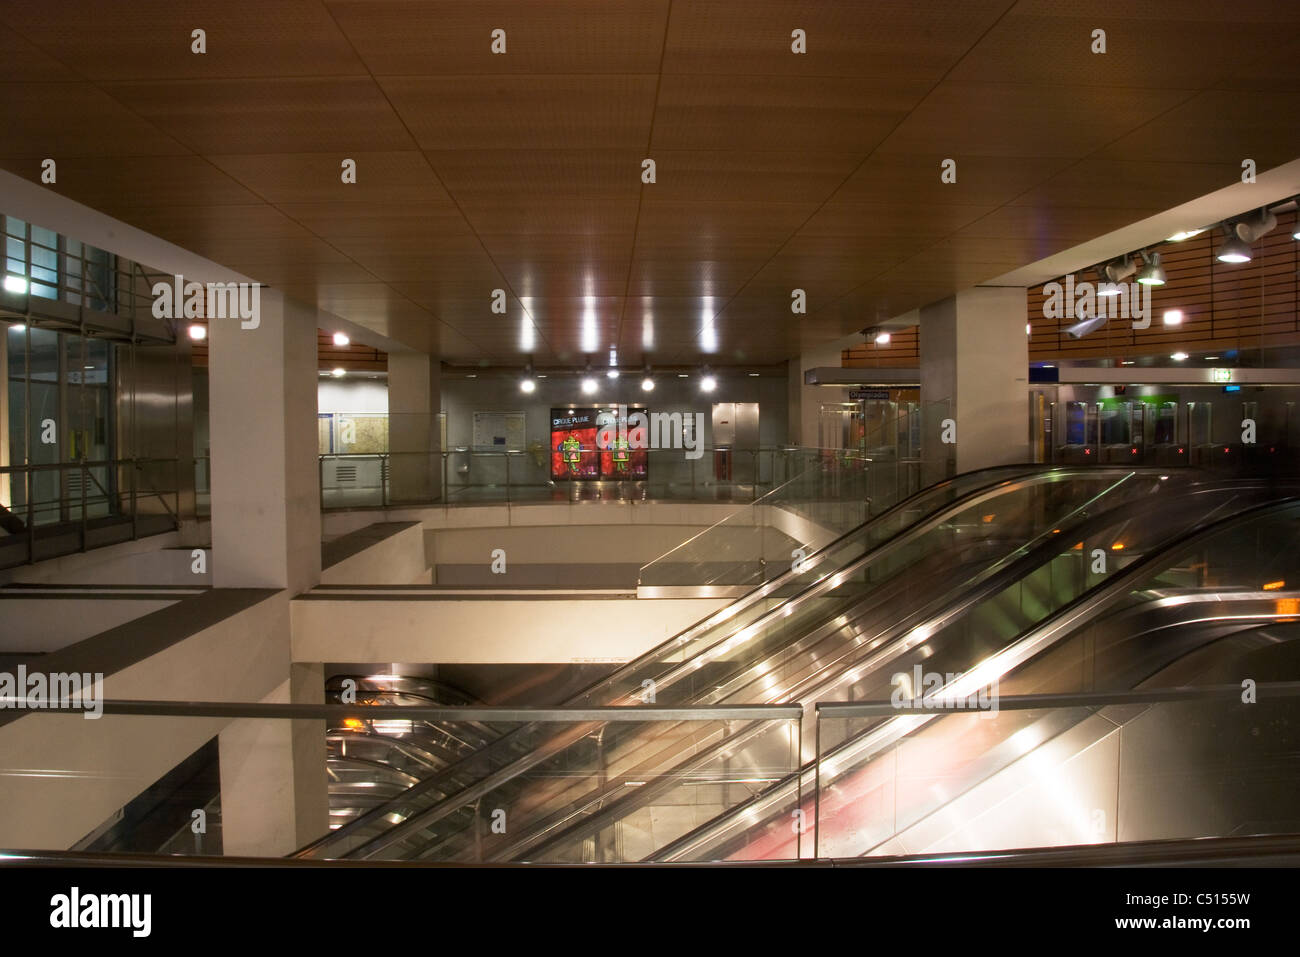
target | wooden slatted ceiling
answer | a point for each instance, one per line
(1224, 306)
(522, 171)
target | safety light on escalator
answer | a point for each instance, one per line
(353, 723)
(1117, 547)
(987, 518)
(1274, 586)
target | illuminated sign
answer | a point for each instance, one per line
(1221, 375)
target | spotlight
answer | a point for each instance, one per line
(708, 384)
(18, 327)
(1183, 234)
(647, 384)
(588, 386)
(1119, 270)
(527, 386)
(1081, 329)
(1255, 227)
(1179, 356)
(882, 339)
(1234, 250)
(15, 284)
(341, 339)
(339, 372)
(198, 333)
(612, 373)
(1029, 330)
(1173, 317)
(1152, 274)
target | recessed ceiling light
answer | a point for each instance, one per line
(753, 375)
(198, 333)
(1181, 235)
(338, 372)
(341, 339)
(708, 383)
(647, 384)
(588, 386)
(15, 284)
(683, 375)
(527, 385)
(18, 327)
(1173, 317)
(882, 339)
(1179, 356)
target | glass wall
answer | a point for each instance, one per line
(59, 413)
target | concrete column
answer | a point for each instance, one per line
(273, 784)
(804, 401)
(975, 360)
(266, 533)
(414, 400)
(266, 529)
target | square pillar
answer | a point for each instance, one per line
(274, 791)
(975, 371)
(266, 528)
(414, 442)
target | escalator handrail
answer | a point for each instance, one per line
(1009, 569)
(1022, 476)
(1025, 647)
(452, 801)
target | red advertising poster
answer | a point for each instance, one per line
(573, 444)
(623, 444)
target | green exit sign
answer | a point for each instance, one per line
(1222, 375)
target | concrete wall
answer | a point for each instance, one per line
(412, 627)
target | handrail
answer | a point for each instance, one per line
(765, 500)
(754, 596)
(833, 710)
(250, 709)
(1016, 653)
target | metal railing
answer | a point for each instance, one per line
(469, 476)
(750, 748)
(112, 499)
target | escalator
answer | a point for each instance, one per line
(980, 559)
(1207, 613)
(370, 761)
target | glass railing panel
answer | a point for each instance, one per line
(620, 790)
(1071, 774)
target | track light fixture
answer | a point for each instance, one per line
(1254, 227)
(1234, 249)
(1151, 273)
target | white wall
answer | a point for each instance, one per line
(352, 394)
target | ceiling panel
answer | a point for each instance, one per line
(523, 171)
(151, 39)
(338, 115)
(401, 37)
(524, 112)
